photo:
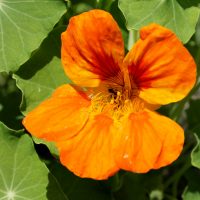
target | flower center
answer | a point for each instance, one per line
(116, 102)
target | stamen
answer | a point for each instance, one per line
(112, 101)
(116, 103)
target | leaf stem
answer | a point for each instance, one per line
(132, 38)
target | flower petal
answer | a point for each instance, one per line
(148, 140)
(92, 48)
(59, 117)
(161, 66)
(90, 153)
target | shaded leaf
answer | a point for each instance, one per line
(197, 34)
(22, 174)
(51, 146)
(192, 191)
(81, 7)
(139, 186)
(118, 16)
(193, 113)
(189, 3)
(79, 188)
(195, 155)
(23, 26)
(10, 99)
(43, 73)
(168, 13)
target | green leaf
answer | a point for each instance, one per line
(169, 13)
(81, 7)
(22, 174)
(9, 110)
(23, 26)
(192, 191)
(193, 113)
(79, 188)
(195, 155)
(118, 16)
(51, 145)
(139, 186)
(189, 3)
(43, 73)
(197, 36)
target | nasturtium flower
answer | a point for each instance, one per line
(106, 119)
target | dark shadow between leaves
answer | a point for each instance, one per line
(76, 187)
(10, 99)
(54, 191)
(49, 48)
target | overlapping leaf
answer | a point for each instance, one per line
(195, 155)
(39, 77)
(23, 26)
(192, 191)
(22, 174)
(169, 13)
(78, 188)
(9, 110)
(194, 111)
(139, 185)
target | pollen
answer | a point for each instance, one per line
(116, 103)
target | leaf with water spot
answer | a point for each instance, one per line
(23, 26)
(169, 13)
(22, 174)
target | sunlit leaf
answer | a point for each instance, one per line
(168, 13)
(22, 174)
(23, 26)
(39, 77)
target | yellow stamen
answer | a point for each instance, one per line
(112, 101)
(116, 103)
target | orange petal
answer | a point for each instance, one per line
(161, 66)
(148, 140)
(59, 117)
(92, 48)
(90, 153)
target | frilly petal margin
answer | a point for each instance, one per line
(160, 66)
(92, 49)
(61, 116)
(147, 140)
(89, 154)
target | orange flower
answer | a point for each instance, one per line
(107, 122)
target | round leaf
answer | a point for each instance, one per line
(169, 13)
(23, 26)
(22, 174)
